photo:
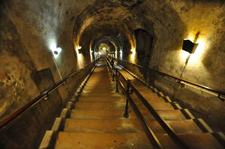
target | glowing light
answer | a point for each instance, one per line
(184, 55)
(121, 54)
(132, 55)
(52, 46)
(104, 48)
(55, 51)
(199, 52)
(77, 48)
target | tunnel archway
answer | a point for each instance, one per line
(113, 42)
(144, 46)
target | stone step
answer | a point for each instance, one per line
(101, 99)
(121, 105)
(99, 114)
(145, 90)
(103, 125)
(165, 114)
(145, 95)
(194, 141)
(102, 140)
(99, 90)
(127, 126)
(99, 105)
(131, 140)
(113, 114)
(151, 99)
(100, 87)
(102, 94)
(140, 87)
(179, 126)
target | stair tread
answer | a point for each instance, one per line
(101, 99)
(102, 95)
(131, 140)
(166, 114)
(99, 114)
(104, 140)
(100, 105)
(97, 120)
(121, 105)
(127, 125)
(102, 126)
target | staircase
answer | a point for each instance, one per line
(94, 119)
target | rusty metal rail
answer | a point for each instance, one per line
(220, 94)
(152, 137)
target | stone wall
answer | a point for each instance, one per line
(28, 129)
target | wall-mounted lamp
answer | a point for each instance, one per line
(132, 51)
(79, 49)
(56, 52)
(189, 46)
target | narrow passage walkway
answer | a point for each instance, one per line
(97, 120)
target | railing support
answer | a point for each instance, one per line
(126, 114)
(112, 74)
(117, 81)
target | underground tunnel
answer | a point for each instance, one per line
(59, 58)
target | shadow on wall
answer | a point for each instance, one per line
(144, 46)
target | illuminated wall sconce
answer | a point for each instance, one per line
(189, 46)
(132, 51)
(56, 52)
(79, 49)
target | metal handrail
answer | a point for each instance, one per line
(218, 93)
(161, 121)
(15, 114)
(152, 137)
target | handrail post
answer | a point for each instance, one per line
(117, 81)
(112, 74)
(126, 114)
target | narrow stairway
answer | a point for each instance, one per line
(193, 131)
(94, 118)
